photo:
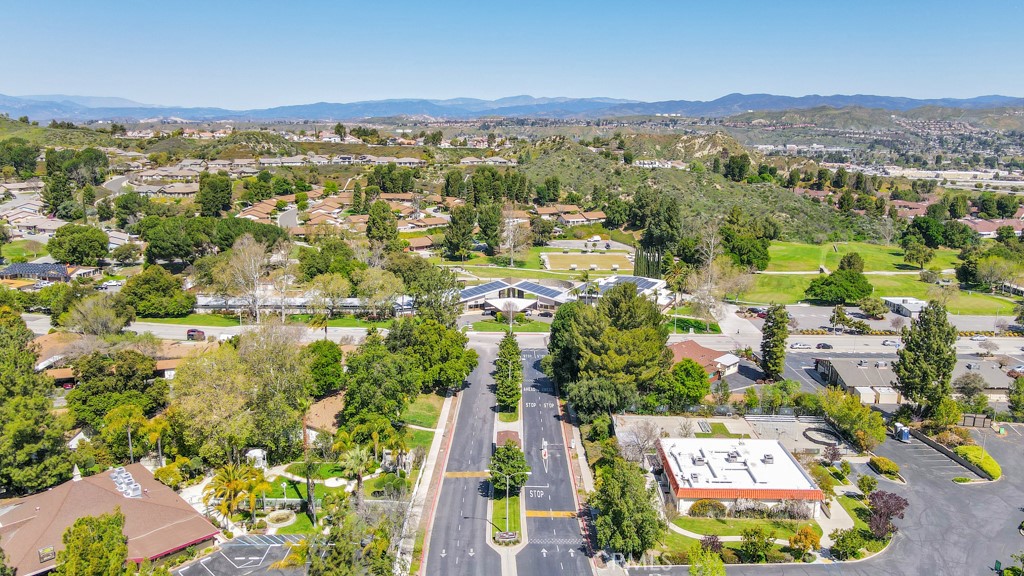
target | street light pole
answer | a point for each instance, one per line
(508, 482)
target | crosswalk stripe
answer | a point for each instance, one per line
(470, 474)
(550, 513)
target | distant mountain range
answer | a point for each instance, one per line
(84, 108)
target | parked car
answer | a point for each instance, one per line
(823, 346)
(113, 283)
(762, 314)
(979, 338)
(799, 346)
(1018, 368)
(195, 334)
(890, 343)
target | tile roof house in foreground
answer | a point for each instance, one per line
(735, 472)
(716, 364)
(157, 522)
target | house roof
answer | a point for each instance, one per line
(420, 242)
(706, 357)
(155, 524)
(35, 269)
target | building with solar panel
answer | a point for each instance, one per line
(651, 288)
(502, 296)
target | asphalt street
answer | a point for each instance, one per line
(554, 542)
(461, 527)
(253, 554)
(808, 317)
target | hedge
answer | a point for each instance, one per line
(707, 508)
(884, 466)
(979, 457)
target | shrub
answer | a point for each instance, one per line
(847, 543)
(979, 457)
(600, 429)
(708, 508)
(961, 480)
(950, 439)
(729, 556)
(884, 466)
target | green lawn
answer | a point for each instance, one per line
(495, 326)
(420, 439)
(699, 326)
(790, 288)
(297, 488)
(302, 525)
(216, 320)
(735, 526)
(498, 516)
(23, 249)
(509, 416)
(344, 321)
(797, 257)
(424, 411)
(857, 510)
(718, 430)
(326, 470)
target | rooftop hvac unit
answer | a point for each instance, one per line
(694, 476)
(769, 459)
(133, 491)
(699, 461)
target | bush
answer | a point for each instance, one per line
(961, 480)
(729, 556)
(599, 429)
(979, 457)
(708, 508)
(884, 466)
(951, 439)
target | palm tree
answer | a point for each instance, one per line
(299, 553)
(255, 485)
(155, 430)
(228, 486)
(358, 462)
(399, 445)
(311, 471)
(342, 441)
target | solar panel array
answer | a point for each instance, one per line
(539, 290)
(641, 283)
(476, 291)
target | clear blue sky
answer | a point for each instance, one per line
(255, 53)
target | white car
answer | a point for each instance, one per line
(979, 338)
(890, 343)
(799, 346)
(1018, 368)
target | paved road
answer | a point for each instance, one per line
(116, 184)
(289, 218)
(949, 529)
(245, 555)
(555, 545)
(461, 529)
(808, 317)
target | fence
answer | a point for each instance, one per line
(976, 421)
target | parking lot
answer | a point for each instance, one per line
(252, 554)
(918, 460)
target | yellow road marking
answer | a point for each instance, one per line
(550, 513)
(472, 474)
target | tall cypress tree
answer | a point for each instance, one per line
(926, 360)
(773, 342)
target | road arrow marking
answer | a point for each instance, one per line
(572, 553)
(471, 553)
(443, 552)
(544, 552)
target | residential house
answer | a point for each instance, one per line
(717, 364)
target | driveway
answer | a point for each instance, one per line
(245, 555)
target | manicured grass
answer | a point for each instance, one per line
(424, 411)
(215, 320)
(420, 439)
(297, 488)
(488, 272)
(509, 416)
(326, 470)
(790, 288)
(584, 261)
(344, 321)
(979, 457)
(417, 552)
(20, 249)
(699, 326)
(735, 526)
(302, 525)
(495, 326)
(857, 510)
(797, 257)
(498, 515)
(718, 430)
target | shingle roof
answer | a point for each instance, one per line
(34, 269)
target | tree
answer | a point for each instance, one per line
(687, 384)
(378, 289)
(127, 253)
(873, 307)
(243, 272)
(379, 381)
(773, 342)
(489, 220)
(508, 373)
(736, 167)
(458, 236)
(214, 194)
(227, 487)
(756, 543)
(925, 361)
(358, 462)
(440, 350)
(325, 369)
(884, 507)
(1015, 398)
(156, 293)
(919, 254)
(94, 545)
(705, 562)
(846, 543)
(57, 192)
(867, 484)
(722, 392)
(852, 261)
(542, 230)
(509, 470)
(99, 315)
(628, 520)
(804, 541)
(331, 290)
(592, 397)
(382, 227)
(626, 309)
(840, 287)
(74, 244)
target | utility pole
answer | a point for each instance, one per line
(131, 451)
